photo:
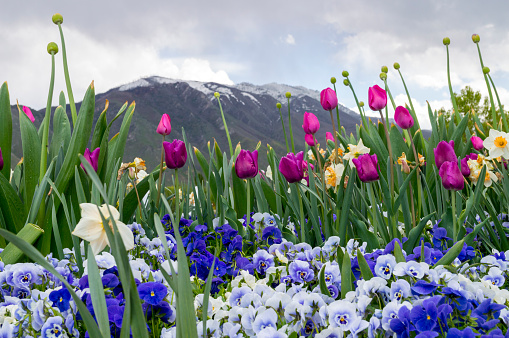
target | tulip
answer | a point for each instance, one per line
(465, 170)
(176, 154)
(1, 160)
(164, 127)
(246, 164)
(367, 167)
(403, 118)
(28, 112)
(476, 142)
(311, 123)
(377, 98)
(329, 137)
(92, 158)
(444, 152)
(291, 166)
(452, 179)
(310, 140)
(328, 99)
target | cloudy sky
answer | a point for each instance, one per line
(292, 42)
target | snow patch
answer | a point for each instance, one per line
(135, 84)
(251, 97)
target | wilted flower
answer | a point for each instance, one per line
(246, 164)
(139, 164)
(377, 98)
(367, 167)
(91, 228)
(311, 124)
(164, 127)
(176, 154)
(403, 118)
(402, 161)
(328, 99)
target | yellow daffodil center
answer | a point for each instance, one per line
(331, 176)
(500, 142)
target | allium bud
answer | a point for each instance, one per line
(333, 80)
(288, 95)
(476, 38)
(345, 73)
(485, 70)
(278, 105)
(383, 76)
(346, 82)
(52, 48)
(216, 95)
(385, 69)
(446, 41)
(57, 18)
(396, 65)
(361, 103)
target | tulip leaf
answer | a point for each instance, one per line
(206, 293)
(61, 132)
(452, 254)
(346, 275)
(459, 132)
(345, 206)
(398, 253)
(323, 286)
(415, 234)
(97, 294)
(5, 130)
(13, 211)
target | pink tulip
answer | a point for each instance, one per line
(377, 98)
(92, 158)
(476, 142)
(310, 140)
(329, 137)
(403, 118)
(328, 99)
(164, 127)
(28, 112)
(311, 124)
(246, 164)
(452, 179)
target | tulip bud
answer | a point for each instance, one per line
(383, 76)
(403, 118)
(164, 127)
(444, 152)
(396, 65)
(311, 124)
(485, 70)
(92, 158)
(367, 167)
(52, 48)
(57, 18)
(310, 140)
(346, 82)
(385, 69)
(476, 38)
(288, 95)
(246, 164)
(329, 137)
(328, 99)
(176, 154)
(132, 173)
(477, 142)
(278, 105)
(28, 112)
(377, 98)
(345, 73)
(446, 41)
(452, 179)
(1, 160)
(333, 80)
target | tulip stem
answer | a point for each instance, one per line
(454, 222)
(74, 115)
(419, 189)
(225, 127)
(290, 124)
(301, 208)
(47, 117)
(337, 110)
(389, 147)
(318, 157)
(177, 200)
(284, 130)
(248, 210)
(335, 138)
(363, 115)
(160, 174)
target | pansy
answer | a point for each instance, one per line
(400, 290)
(60, 298)
(411, 268)
(384, 266)
(342, 314)
(265, 319)
(152, 293)
(300, 271)
(53, 328)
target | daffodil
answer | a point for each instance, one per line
(497, 144)
(355, 151)
(91, 228)
(476, 166)
(333, 174)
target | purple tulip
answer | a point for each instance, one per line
(476, 142)
(291, 166)
(452, 179)
(328, 99)
(310, 140)
(403, 118)
(367, 167)
(246, 164)
(465, 170)
(311, 123)
(28, 112)
(329, 137)
(176, 154)
(377, 98)
(1, 160)
(164, 127)
(92, 158)
(444, 152)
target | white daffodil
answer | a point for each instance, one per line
(91, 228)
(476, 166)
(355, 151)
(139, 164)
(497, 144)
(333, 174)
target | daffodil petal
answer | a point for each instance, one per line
(114, 212)
(88, 229)
(99, 244)
(126, 234)
(89, 210)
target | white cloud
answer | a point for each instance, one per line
(290, 39)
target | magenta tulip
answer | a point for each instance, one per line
(28, 112)
(291, 166)
(311, 124)
(476, 142)
(452, 179)
(176, 154)
(367, 167)
(246, 164)
(164, 127)
(328, 99)
(465, 170)
(329, 137)
(1, 160)
(403, 118)
(444, 152)
(377, 98)
(310, 140)
(92, 158)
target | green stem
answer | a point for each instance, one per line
(177, 199)
(337, 110)
(453, 98)
(225, 127)
(74, 115)
(301, 208)
(160, 174)
(389, 147)
(419, 189)
(248, 210)
(389, 92)
(324, 197)
(47, 117)
(335, 138)
(290, 124)
(454, 222)
(284, 130)
(493, 110)
(363, 116)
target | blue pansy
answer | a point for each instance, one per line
(152, 292)
(60, 298)
(424, 316)
(52, 328)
